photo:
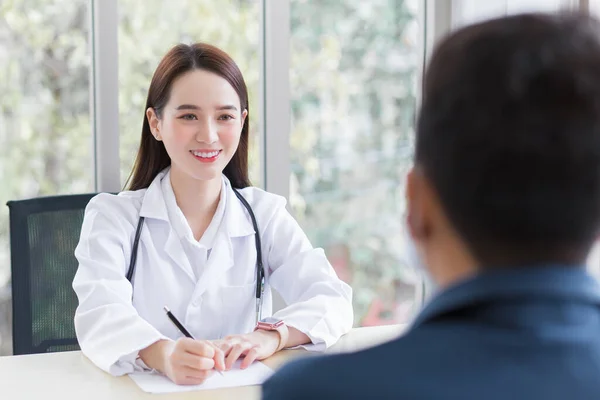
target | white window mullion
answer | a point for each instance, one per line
(105, 95)
(276, 98)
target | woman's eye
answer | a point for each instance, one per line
(188, 117)
(226, 117)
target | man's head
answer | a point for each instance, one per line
(507, 161)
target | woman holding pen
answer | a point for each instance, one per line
(192, 235)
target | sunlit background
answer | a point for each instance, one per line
(354, 71)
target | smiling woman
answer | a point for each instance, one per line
(189, 113)
(148, 27)
(206, 115)
(211, 247)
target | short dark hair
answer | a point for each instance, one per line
(509, 137)
(152, 156)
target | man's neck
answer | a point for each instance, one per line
(451, 263)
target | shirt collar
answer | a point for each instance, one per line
(571, 283)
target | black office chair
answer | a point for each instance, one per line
(43, 235)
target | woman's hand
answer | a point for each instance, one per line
(257, 345)
(185, 361)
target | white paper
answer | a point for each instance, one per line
(255, 374)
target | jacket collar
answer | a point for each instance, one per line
(570, 283)
(237, 219)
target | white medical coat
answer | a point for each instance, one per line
(209, 287)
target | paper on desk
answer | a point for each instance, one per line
(255, 374)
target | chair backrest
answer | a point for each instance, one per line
(43, 235)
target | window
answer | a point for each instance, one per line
(45, 131)
(149, 28)
(470, 11)
(354, 70)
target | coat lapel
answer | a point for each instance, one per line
(154, 206)
(219, 262)
(236, 222)
(176, 252)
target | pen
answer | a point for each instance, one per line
(181, 328)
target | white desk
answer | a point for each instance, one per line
(71, 376)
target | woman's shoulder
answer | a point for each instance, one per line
(267, 207)
(261, 200)
(125, 204)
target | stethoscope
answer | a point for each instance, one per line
(260, 271)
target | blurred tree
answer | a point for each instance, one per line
(45, 132)
(353, 77)
(45, 58)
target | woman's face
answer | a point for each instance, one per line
(200, 125)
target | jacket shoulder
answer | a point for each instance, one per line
(350, 375)
(294, 380)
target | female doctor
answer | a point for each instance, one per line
(183, 237)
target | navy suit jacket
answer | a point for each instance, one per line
(526, 334)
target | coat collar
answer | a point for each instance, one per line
(159, 204)
(571, 283)
(153, 204)
(236, 218)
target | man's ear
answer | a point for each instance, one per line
(418, 215)
(154, 123)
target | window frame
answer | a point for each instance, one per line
(274, 96)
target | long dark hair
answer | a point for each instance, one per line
(152, 156)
